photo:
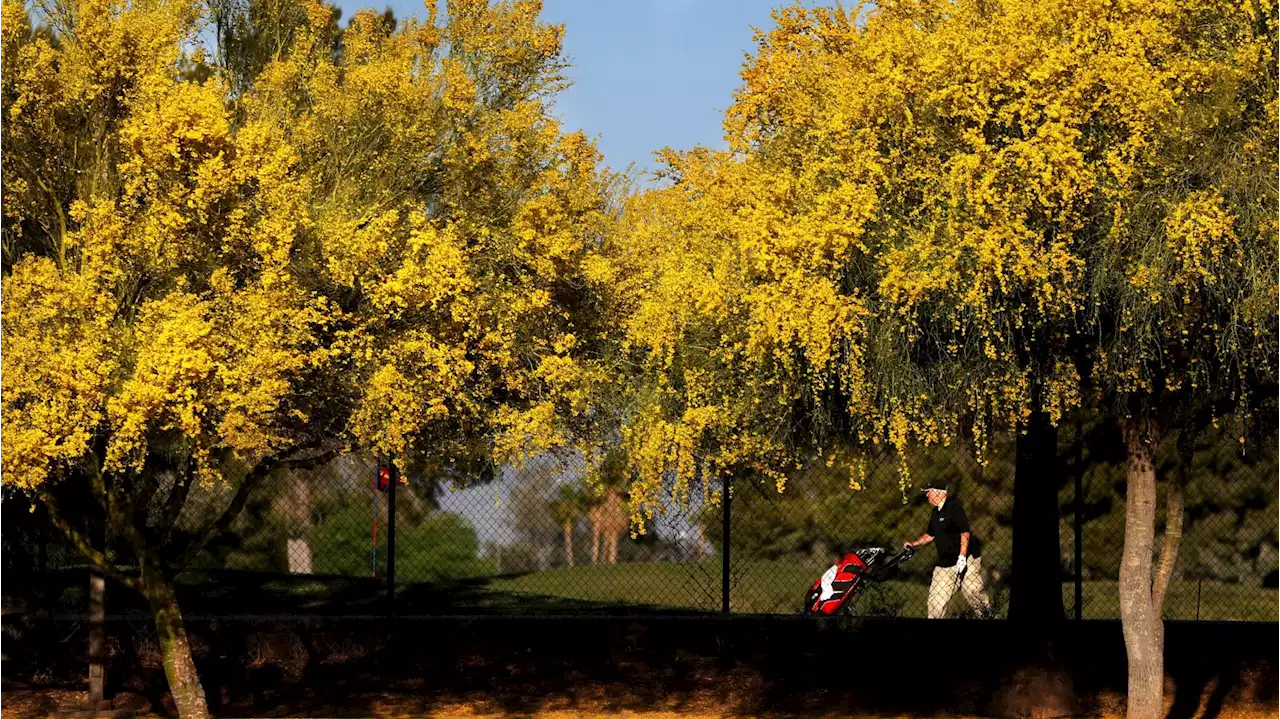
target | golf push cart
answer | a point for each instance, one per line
(836, 591)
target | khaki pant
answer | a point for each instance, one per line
(943, 587)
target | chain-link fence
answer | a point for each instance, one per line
(537, 540)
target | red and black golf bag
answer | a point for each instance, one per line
(837, 589)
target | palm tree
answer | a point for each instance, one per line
(570, 503)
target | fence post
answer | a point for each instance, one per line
(40, 589)
(42, 556)
(727, 503)
(1079, 521)
(97, 628)
(391, 539)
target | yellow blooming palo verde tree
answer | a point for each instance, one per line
(1101, 205)
(158, 332)
(739, 331)
(937, 215)
(383, 246)
(1182, 293)
(455, 223)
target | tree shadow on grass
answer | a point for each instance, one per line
(233, 594)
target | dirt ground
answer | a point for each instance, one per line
(33, 703)
(627, 667)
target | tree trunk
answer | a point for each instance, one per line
(1035, 589)
(1038, 685)
(568, 542)
(1175, 501)
(1139, 616)
(179, 666)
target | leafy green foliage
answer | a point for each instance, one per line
(441, 547)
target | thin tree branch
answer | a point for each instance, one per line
(113, 500)
(61, 239)
(1175, 501)
(251, 480)
(220, 525)
(94, 469)
(307, 462)
(123, 514)
(146, 492)
(145, 552)
(177, 499)
(82, 545)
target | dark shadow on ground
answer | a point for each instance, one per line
(1197, 671)
(517, 654)
(745, 666)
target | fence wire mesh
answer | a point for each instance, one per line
(536, 539)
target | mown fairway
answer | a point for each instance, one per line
(771, 587)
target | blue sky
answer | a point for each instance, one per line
(646, 74)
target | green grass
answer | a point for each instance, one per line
(771, 587)
(676, 586)
(1216, 602)
(758, 587)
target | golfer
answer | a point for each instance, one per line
(959, 564)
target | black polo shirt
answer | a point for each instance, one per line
(946, 524)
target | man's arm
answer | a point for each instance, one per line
(964, 544)
(920, 542)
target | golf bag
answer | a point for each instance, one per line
(837, 590)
